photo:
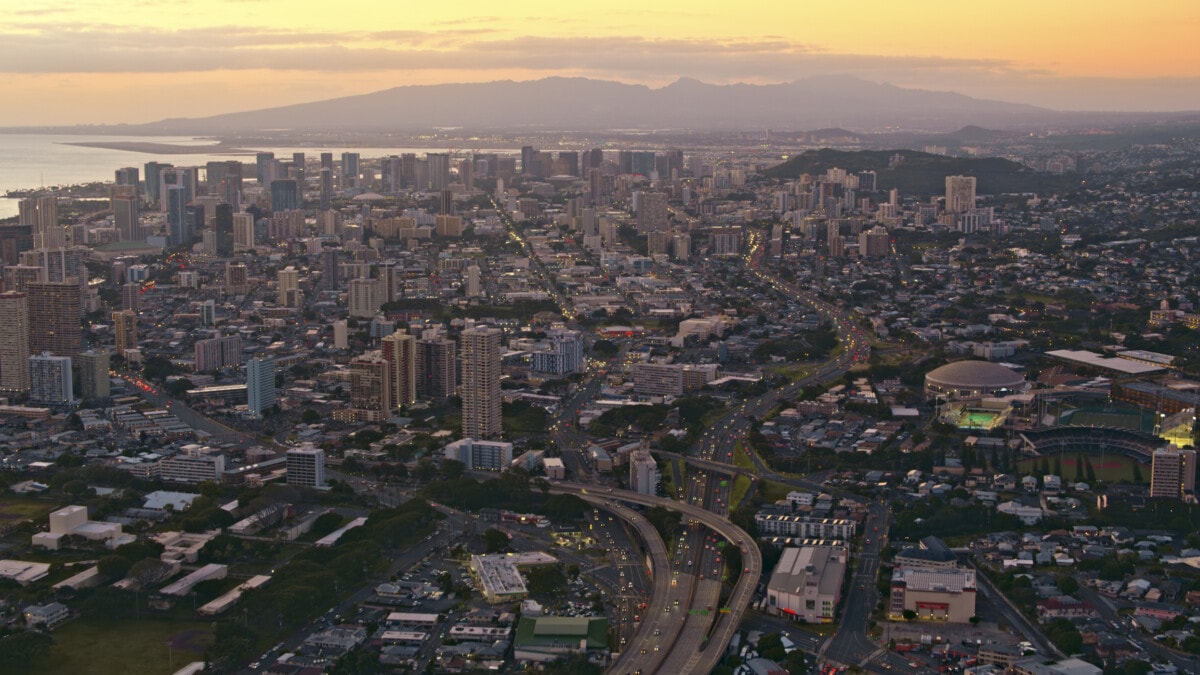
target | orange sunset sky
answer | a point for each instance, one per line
(96, 61)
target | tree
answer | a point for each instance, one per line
(1067, 584)
(495, 541)
(909, 615)
(114, 566)
(178, 388)
(18, 650)
(310, 416)
(158, 368)
(451, 469)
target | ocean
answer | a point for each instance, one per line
(45, 160)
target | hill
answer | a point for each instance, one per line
(825, 102)
(921, 173)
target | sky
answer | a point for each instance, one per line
(105, 62)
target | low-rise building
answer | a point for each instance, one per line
(939, 594)
(546, 638)
(49, 615)
(807, 583)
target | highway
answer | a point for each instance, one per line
(697, 661)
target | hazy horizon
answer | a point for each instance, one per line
(81, 63)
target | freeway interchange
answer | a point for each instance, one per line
(682, 630)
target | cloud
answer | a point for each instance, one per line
(45, 47)
(97, 48)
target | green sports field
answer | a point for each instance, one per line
(1111, 468)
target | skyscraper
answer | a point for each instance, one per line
(960, 193)
(93, 374)
(54, 311)
(350, 169)
(125, 327)
(298, 169)
(127, 175)
(329, 268)
(50, 379)
(223, 225)
(178, 223)
(260, 384)
(125, 217)
(439, 170)
(14, 342)
(265, 162)
(326, 194)
(289, 287)
(154, 180)
(652, 212)
(243, 232)
(370, 386)
(399, 350)
(41, 214)
(284, 195)
(436, 368)
(481, 382)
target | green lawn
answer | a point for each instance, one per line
(124, 647)
(773, 491)
(16, 507)
(740, 459)
(1111, 468)
(741, 485)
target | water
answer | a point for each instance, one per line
(35, 160)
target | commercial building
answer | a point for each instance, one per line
(643, 473)
(194, 465)
(480, 455)
(14, 343)
(306, 466)
(937, 594)
(260, 384)
(807, 582)
(499, 579)
(546, 638)
(50, 380)
(481, 382)
(1173, 472)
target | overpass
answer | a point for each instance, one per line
(743, 591)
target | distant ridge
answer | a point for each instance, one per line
(921, 172)
(824, 102)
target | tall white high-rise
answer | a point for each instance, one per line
(480, 349)
(50, 379)
(306, 466)
(260, 384)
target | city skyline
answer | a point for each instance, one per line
(237, 55)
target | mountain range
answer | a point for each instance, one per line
(577, 104)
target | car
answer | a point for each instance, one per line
(861, 586)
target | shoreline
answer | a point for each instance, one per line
(150, 148)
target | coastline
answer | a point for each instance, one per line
(149, 148)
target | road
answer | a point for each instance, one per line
(704, 661)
